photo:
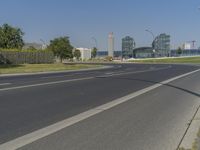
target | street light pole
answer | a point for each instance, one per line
(154, 51)
(150, 33)
(43, 44)
(95, 40)
(134, 44)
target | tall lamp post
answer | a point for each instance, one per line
(43, 44)
(95, 40)
(134, 44)
(154, 51)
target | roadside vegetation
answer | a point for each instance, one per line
(169, 60)
(11, 37)
(32, 68)
(15, 59)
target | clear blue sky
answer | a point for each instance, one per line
(83, 19)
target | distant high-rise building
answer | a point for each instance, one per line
(128, 44)
(111, 44)
(162, 45)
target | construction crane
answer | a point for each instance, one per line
(193, 43)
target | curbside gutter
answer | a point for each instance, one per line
(55, 72)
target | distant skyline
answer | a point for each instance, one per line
(83, 19)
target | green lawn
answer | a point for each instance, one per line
(170, 60)
(32, 68)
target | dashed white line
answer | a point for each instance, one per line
(55, 77)
(42, 84)
(108, 73)
(5, 84)
(133, 72)
(79, 79)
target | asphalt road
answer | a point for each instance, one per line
(154, 120)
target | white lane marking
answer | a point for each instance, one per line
(41, 133)
(87, 78)
(55, 77)
(5, 84)
(108, 73)
(78, 73)
(133, 72)
(62, 76)
(119, 72)
(149, 70)
(42, 84)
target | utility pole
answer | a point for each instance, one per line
(154, 51)
(95, 40)
(43, 44)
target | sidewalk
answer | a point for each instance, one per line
(191, 137)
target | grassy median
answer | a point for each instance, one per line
(33, 68)
(194, 60)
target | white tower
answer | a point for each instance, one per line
(111, 44)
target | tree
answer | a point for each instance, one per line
(179, 51)
(94, 52)
(11, 37)
(61, 48)
(77, 54)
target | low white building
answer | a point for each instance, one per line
(85, 53)
(187, 46)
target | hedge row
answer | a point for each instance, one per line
(28, 57)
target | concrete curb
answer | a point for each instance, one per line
(189, 64)
(191, 134)
(54, 72)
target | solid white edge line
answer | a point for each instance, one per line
(41, 133)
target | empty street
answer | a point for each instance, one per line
(125, 106)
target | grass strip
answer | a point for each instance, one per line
(33, 68)
(195, 60)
